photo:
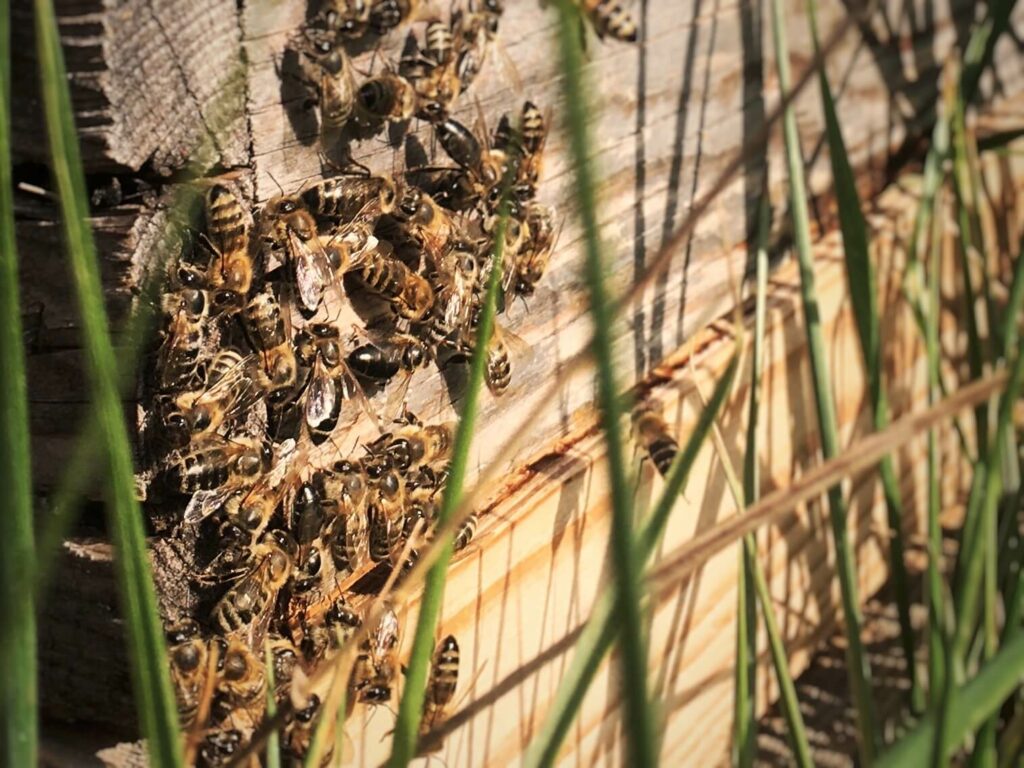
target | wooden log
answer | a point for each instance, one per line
(153, 82)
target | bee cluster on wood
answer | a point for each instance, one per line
(255, 387)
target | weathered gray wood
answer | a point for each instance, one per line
(152, 81)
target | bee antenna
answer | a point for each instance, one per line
(276, 182)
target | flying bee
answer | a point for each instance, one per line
(535, 253)
(334, 79)
(265, 321)
(228, 395)
(343, 198)
(188, 653)
(227, 236)
(386, 15)
(375, 666)
(247, 606)
(214, 470)
(386, 97)
(443, 680)
(466, 532)
(330, 381)
(610, 19)
(502, 348)
(241, 686)
(289, 225)
(653, 435)
(408, 293)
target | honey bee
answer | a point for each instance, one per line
(332, 632)
(475, 28)
(241, 687)
(535, 254)
(610, 19)
(384, 359)
(218, 746)
(213, 471)
(229, 393)
(502, 347)
(408, 293)
(348, 18)
(534, 137)
(416, 444)
(486, 169)
(289, 225)
(374, 669)
(426, 222)
(265, 322)
(185, 343)
(188, 653)
(455, 282)
(386, 97)
(330, 381)
(386, 15)
(298, 734)
(386, 515)
(343, 198)
(284, 658)
(227, 225)
(432, 72)
(334, 79)
(466, 532)
(443, 680)
(346, 491)
(653, 435)
(246, 607)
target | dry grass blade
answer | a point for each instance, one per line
(685, 559)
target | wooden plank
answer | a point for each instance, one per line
(152, 82)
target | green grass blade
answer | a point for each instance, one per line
(981, 45)
(19, 697)
(857, 664)
(752, 569)
(863, 285)
(639, 722)
(745, 687)
(410, 709)
(598, 635)
(150, 677)
(973, 704)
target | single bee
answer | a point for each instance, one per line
(374, 669)
(535, 254)
(348, 18)
(475, 28)
(486, 168)
(334, 79)
(284, 658)
(240, 696)
(432, 72)
(182, 353)
(387, 97)
(502, 348)
(188, 653)
(466, 532)
(349, 540)
(408, 293)
(393, 358)
(289, 225)
(344, 198)
(306, 518)
(455, 283)
(265, 322)
(443, 680)
(426, 223)
(531, 161)
(415, 444)
(653, 435)
(386, 15)
(319, 347)
(386, 515)
(227, 236)
(298, 733)
(610, 19)
(247, 606)
(213, 471)
(332, 632)
(229, 393)
(218, 746)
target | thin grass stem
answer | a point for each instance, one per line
(150, 676)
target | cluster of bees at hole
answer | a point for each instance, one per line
(252, 374)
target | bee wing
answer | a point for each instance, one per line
(284, 453)
(321, 395)
(517, 345)
(395, 403)
(205, 503)
(385, 637)
(351, 389)
(235, 387)
(312, 270)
